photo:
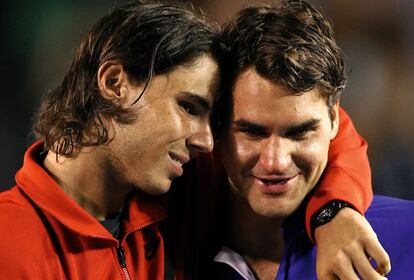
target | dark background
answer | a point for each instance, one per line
(39, 39)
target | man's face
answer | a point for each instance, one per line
(172, 125)
(276, 146)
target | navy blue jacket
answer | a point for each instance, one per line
(391, 218)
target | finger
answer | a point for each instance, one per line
(342, 268)
(328, 276)
(364, 267)
(378, 253)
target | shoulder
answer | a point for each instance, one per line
(19, 215)
(387, 213)
(16, 209)
(22, 231)
(393, 221)
(390, 206)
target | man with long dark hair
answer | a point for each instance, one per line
(132, 109)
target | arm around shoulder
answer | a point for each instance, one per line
(347, 176)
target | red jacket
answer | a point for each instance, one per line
(46, 235)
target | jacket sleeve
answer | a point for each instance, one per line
(347, 176)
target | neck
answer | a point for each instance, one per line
(87, 180)
(257, 238)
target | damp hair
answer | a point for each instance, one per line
(147, 39)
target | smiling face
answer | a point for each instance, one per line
(276, 146)
(172, 126)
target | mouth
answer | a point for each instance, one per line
(178, 160)
(274, 185)
(269, 182)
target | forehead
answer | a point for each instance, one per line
(201, 77)
(256, 98)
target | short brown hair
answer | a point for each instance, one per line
(290, 44)
(148, 39)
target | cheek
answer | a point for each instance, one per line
(313, 156)
(235, 149)
(238, 155)
(164, 124)
(244, 150)
(178, 122)
(313, 148)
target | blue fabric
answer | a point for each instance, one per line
(391, 218)
(393, 221)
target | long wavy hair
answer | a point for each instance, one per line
(148, 39)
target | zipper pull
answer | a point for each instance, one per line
(121, 256)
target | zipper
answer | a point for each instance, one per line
(122, 261)
(121, 252)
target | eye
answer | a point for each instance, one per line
(300, 134)
(188, 107)
(252, 132)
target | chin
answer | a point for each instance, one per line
(156, 188)
(273, 211)
(160, 190)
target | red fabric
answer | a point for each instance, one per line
(69, 243)
(46, 235)
(347, 176)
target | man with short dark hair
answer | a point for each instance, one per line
(284, 74)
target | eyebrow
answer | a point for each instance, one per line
(243, 124)
(193, 97)
(307, 125)
(294, 129)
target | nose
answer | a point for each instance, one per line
(275, 156)
(201, 139)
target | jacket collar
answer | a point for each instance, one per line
(40, 187)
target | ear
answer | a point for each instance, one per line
(112, 81)
(335, 120)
